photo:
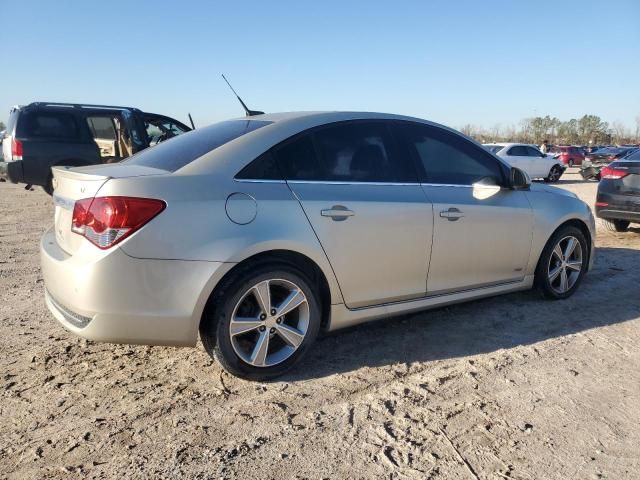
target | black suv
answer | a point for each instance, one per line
(42, 135)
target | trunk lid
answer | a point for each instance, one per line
(71, 184)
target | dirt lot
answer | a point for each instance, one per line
(509, 387)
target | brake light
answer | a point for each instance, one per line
(613, 173)
(602, 204)
(16, 149)
(106, 221)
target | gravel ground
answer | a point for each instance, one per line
(508, 387)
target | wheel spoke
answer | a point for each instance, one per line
(575, 265)
(262, 293)
(240, 325)
(571, 246)
(564, 281)
(293, 301)
(290, 335)
(554, 274)
(259, 354)
(557, 251)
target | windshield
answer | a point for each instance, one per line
(493, 148)
(179, 151)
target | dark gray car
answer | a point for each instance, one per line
(43, 135)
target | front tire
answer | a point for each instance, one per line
(617, 225)
(554, 174)
(562, 263)
(263, 321)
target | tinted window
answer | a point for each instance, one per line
(184, 149)
(262, 168)
(493, 148)
(297, 159)
(533, 152)
(47, 125)
(346, 152)
(448, 158)
(102, 127)
(518, 151)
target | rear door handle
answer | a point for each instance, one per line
(452, 214)
(337, 213)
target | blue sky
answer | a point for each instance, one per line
(483, 62)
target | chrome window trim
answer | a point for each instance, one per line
(332, 182)
(257, 180)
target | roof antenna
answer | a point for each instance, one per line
(249, 113)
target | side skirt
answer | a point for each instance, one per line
(342, 317)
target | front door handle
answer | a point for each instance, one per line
(452, 214)
(337, 213)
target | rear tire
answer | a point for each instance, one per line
(617, 225)
(237, 328)
(49, 186)
(562, 264)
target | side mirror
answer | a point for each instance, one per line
(519, 180)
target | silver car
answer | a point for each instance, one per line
(261, 232)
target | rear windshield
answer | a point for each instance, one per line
(179, 151)
(493, 148)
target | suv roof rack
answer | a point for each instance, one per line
(79, 105)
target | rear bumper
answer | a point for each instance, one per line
(12, 171)
(619, 207)
(614, 213)
(111, 297)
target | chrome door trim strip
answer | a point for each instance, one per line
(330, 182)
(251, 180)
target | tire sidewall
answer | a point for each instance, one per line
(222, 348)
(542, 279)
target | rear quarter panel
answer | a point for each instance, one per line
(196, 226)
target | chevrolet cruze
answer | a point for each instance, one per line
(257, 234)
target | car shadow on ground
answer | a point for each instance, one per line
(482, 326)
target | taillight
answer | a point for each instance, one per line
(105, 221)
(602, 204)
(16, 149)
(613, 173)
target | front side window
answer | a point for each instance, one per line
(448, 158)
(533, 152)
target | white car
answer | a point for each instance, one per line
(529, 159)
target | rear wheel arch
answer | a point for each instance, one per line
(289, 258)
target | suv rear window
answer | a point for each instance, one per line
(179, 151)
(43, 124)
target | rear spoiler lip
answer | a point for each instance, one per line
(71, 173)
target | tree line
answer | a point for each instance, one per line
(581, 131)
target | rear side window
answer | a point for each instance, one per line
(448, 158)
(102, 127)
(346, 152)
(262, 168)
(179, 151)
(52, 125)
(518, 151)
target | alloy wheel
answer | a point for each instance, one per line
(565, 264)
(269, 322)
